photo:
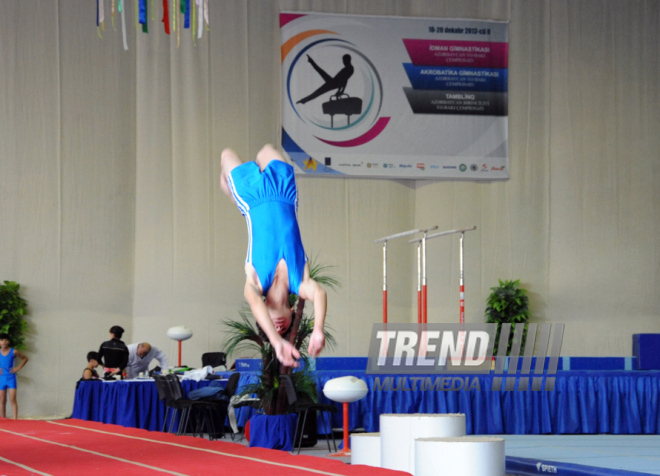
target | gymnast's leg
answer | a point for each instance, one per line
(324, 88)
(3, 403)
(12, 401)
(229, 160)
(266, 154)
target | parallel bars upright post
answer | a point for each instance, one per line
(421, 242)
(384, 240)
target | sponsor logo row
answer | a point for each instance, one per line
(419, 165)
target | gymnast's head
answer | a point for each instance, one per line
(279, 309)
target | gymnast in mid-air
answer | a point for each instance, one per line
(276, 265)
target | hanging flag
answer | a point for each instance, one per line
(146, 16)
(142, 18)
(174, 15)
(123, 25)
(200, 17)
(166, 17)
(193, 21)
(101, 13)
(195, 16)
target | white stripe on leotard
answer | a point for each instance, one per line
(244, 208)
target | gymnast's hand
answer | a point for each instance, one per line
(286, 353)
(316, 343)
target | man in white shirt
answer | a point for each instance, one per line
(140, 356)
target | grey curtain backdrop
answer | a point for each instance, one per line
(111, 212)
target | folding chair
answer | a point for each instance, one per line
(221, 401)
(305, 408)
(163, 396)
(178, 401)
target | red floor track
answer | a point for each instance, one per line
(77, 447)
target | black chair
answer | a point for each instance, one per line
(163, 396)
(220, 402)
(178, 401)
(232, 385)
(304, 408)
(214, 359)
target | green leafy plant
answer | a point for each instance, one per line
(12, 309)
(244, 334)
(508, 303)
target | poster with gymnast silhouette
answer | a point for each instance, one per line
(395, 97)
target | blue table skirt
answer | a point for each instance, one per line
(590, 402)
(583, 402)
(129, 403)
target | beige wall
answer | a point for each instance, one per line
(67, 190)
(111, 211)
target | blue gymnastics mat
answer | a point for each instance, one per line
(582, 455)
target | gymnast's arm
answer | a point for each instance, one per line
(310, 290)
(21, 355)
(286, 353)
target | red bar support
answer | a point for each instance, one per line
(346, 451)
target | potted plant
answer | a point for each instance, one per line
(244, 333)
(12, 309)
(508, 303)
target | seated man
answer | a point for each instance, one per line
(114, 353)
(140, 356)
(266, 194)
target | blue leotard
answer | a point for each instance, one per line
(269, 202)
(7, 379)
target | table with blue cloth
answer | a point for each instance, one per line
(129, 403)
(582, 402)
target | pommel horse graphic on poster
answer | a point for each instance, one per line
(340, 103)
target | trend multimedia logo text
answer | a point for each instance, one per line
(467, 349)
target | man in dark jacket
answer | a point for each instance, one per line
(114, 353)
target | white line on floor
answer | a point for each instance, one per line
(249, 458)
(23, 466)
(95, 453)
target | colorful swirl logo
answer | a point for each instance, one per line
(333, 88)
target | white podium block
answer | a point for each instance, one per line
(465, 456)
(398, 433)
(365, 449)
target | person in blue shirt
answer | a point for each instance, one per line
(276, 265)
(8, 375)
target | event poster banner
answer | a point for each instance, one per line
(395, 97)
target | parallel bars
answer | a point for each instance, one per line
(461, 283)
(384, 240)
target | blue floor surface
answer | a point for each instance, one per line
(579, 455)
